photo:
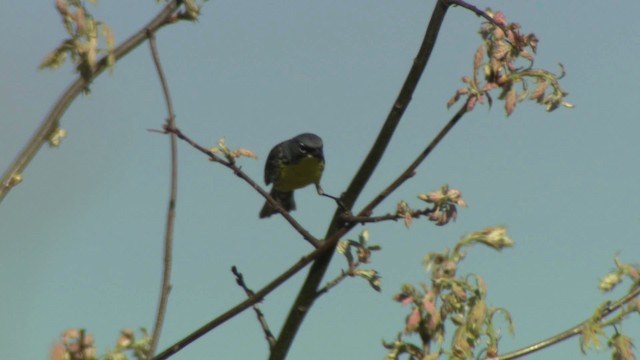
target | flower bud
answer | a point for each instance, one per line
(610, 281)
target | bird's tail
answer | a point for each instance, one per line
(284, 198)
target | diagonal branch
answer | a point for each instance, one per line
(387, 217)
(171, 211)
(308, 292)
(325, 246)
(259, 314)
(241, 174)
(408, 173)
(51, 121)
(576, 330)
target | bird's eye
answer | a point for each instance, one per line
(303, 148)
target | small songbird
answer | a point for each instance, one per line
(291, 165)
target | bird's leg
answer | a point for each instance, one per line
(336, 199)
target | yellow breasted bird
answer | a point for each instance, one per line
(291, 165)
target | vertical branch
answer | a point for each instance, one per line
(171, 211)
(308, 291)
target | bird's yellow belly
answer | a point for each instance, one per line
(296, 176)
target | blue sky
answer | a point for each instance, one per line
(81, 237)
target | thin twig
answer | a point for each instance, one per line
(576, 330)
(51, 121)
(241, 174)
(338, 279)
(476, 11)
(408, 173)
(325, 246)
(261, 319)
(171, 210)
(307, 294)
(388, 217)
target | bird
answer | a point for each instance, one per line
(291, 165)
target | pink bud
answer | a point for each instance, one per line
(71, 334)
(477, 59)
(62, 7)
(510, 101)
(413, 321)
(472, 103)
(57, 352)
(500, 18)
(88, 340)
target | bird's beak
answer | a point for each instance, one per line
(316, 154)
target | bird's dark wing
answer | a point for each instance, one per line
(272, 165)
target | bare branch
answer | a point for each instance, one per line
(261, 319)
(325, 246)
(307, 293)
(388, 217)
(476, 11)
(338, 279)
(408, 173)
(576, 330)
(241, 174)
(171, 211)
(333, 283)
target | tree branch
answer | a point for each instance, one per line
(241, 174)
(51, 121)
(387, 217)
(261, 319)
(338, 279)
(476, 11)
(308, 291)
(576, 330)
(408, 173)
(326, 246)
(171, 211)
